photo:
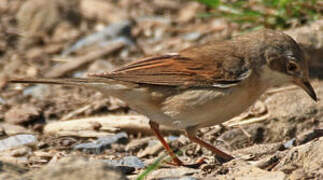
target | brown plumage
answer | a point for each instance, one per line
(203, 85)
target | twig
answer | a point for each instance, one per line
(237, 123)
(131, 124)
(76, 112)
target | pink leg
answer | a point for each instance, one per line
(191, 135)
(155, 127)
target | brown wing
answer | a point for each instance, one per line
(182, 70)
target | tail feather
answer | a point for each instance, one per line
(96, 83)
(62, 81)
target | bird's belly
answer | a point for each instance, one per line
(195, 107)
(201, 108)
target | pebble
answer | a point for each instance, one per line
(131, 161)
(38, 91)
(172, 173)
(126, 165)
(111, 32)
(75, 168)
(20, 152)
(11, 130)
(290, 143)
(137, 144)
(102, 143)
(183, 178)
(193, 36)
(2, 101)
(16, 141)
(22, 114)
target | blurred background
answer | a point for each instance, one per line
(70, 38)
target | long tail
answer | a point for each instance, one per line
(106, 86)
(62, 81)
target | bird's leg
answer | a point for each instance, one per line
(155, 127)
(190, 132)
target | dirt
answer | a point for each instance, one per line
(37, 38)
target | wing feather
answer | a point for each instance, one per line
(183, 70)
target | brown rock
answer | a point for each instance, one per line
(292, 112)
(188, 12)
(102, 11)
(10, 129)
(76, 168)
(137, 144)
(36, 17)
(11, 171)
(170, 173)
(240, 170)
(305, 159)
(151, 150)
(260, 149)
(22, 114)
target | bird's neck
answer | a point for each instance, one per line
(272, 78)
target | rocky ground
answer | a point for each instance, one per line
(57, 132)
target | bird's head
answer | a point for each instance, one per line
(285, 58)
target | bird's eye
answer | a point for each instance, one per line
(292, 67)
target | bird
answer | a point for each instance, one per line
(203, 85)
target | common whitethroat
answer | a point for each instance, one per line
(204, 85)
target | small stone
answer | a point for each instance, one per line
(102, 10)
(130, 161)
(187, 178)
(42, 145)
(102, 143)
(241, 170)
(38, 91)
(289, 144)
(20, 152)
(137, 144)
(22, 114)
(11, 130)
(75, 168)
(38, 160)
(168, 173)
(16, 141)
(193, 36)
(44, 155)
(298, 174)
(188, 12)
(36, 17)
(309, 135)
(126, 165)
(153, 148)
(306, 156)
(11, 171)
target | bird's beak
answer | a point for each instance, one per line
(305, 84)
